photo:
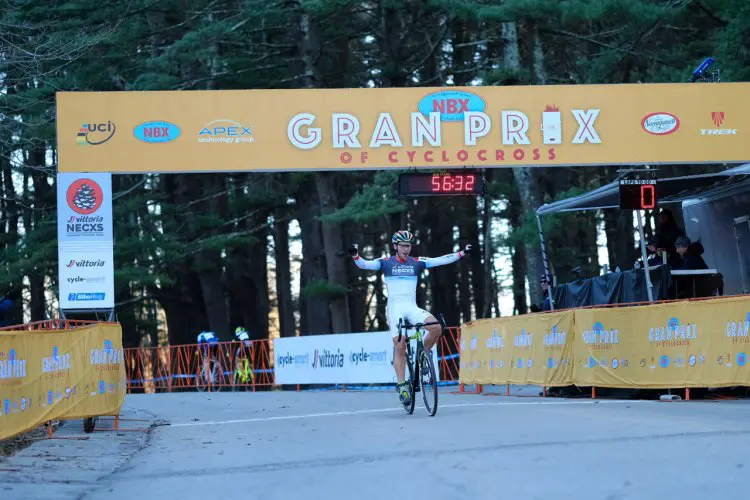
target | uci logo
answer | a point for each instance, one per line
(94, 134)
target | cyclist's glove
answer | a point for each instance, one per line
(353, 250)
(467, 250)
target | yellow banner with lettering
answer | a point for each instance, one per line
(528, 349)
(682, 344)
(60, 374)
(443, 127)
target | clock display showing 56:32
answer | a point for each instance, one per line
(436, 184)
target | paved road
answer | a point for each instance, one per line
(326, 445)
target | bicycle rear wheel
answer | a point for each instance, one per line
(201, 379)
(428, 383)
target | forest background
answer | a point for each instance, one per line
(214, 251)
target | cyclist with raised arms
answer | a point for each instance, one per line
(401, 275)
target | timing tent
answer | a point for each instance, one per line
(716, 210)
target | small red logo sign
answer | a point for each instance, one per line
(717, 117)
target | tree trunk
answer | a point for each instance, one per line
(526, 182)
(42, 196)
(333, 243)
(259, 307)
(208, 261)
(443, 279)
(489, 291)
(518, 259)
(314, 310)
(283, 276)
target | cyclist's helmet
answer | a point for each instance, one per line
(207, 338)
(402, 236)
(241, 334)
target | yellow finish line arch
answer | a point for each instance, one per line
(346, 129)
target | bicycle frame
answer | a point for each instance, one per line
(412, 357)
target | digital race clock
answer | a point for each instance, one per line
(637, 190)
(450, 183)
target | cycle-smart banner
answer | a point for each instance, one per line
(60, 374)
(329, 129)
(352, 358)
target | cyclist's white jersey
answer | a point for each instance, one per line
(401, 278)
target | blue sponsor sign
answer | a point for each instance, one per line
(156, 132)
(451, 104)
(741, 359)
(86, 296)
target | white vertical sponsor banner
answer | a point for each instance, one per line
(352, 358)
(85, 246)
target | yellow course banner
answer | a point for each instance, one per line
(527, 349)
(323, 129)
(60, 374)
(682, 344)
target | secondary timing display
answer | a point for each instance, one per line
(449, 183)
(637, 190)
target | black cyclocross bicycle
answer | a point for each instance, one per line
(420, 370)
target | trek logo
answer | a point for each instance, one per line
(717, 117)
(94, 134)
(327, 359)
(156, 132)
(85, 263)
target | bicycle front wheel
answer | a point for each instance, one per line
(428, 383)
(410, 385)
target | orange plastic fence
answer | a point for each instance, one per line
(193, 367)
